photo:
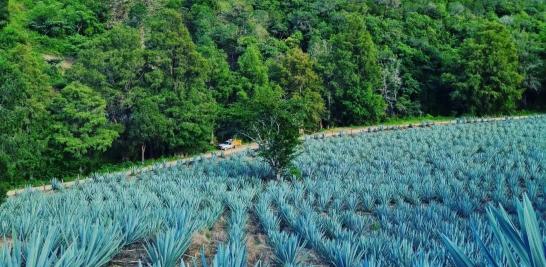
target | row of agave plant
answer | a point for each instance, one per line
(353, 239)
(397, 198)
(87, 225)
(387, 197)
(234, 252)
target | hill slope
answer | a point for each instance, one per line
(87, 82)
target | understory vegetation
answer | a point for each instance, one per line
(382, 197)
(85, 83)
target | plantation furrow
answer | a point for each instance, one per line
(288, 249)
(129, 256)
(256, 242)
(207, 241)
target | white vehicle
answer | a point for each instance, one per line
(229, 144)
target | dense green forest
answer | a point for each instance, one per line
(83, 82)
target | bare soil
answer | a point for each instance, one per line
(130, 256)
(256, 243)
(208, 240)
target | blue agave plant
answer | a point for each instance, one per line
(524, 247)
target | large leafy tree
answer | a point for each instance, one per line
(252, 70)
(24, 120)
(530, 36)
(173, 52)
(180, 76)
(4, 13)
(80, 129)
(163, 74)
(62, 18)
(113, 64)
(147, 123)
(272, 122)
(353, 75)
(294, 73)
(223, 82)
(485, 79)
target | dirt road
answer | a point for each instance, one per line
(325, 134)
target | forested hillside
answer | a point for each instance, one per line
(83, 82)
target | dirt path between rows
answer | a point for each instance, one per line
(224, 154)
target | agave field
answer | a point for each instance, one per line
(375, 198)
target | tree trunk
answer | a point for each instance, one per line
(142, 151)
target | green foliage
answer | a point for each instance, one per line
(169, 71)
(155, 90)
(4, 13)
(294, 73)
(63, 18)
(274, 124)
(353, 75)
(252, 69)
(488, 81)
(24, 122)
(137, 14)
(223, 82)
(80, 128)
(3, 193)
(190, 108)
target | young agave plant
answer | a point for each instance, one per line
(40, 249)
(345, 254)
(232, 255)
(56, 184)
(519, 248)
(168, 246)
(136, 226)
(95, 245)
(287, 249)
(11, 255)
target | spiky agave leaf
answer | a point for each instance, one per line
(531, 233)
(135, 226)
(528, 243)
(70, 257)
(168, 246)
(11, 253)
(95, 244)
(459, 258)
(287, 248)
(41, 248)
(524, 248)
(232, 255)
(345, 254)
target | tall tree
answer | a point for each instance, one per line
(223, 82)
(485, 79)
(252, 69)
(24, 120)
(188, 104)
(80, 129)
(147, 126)
(294, 73)
(114, 64)
(273, 122)
(353, 75)
(4, 13)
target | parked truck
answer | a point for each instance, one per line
(229, 144)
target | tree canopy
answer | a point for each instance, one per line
(87, 82)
